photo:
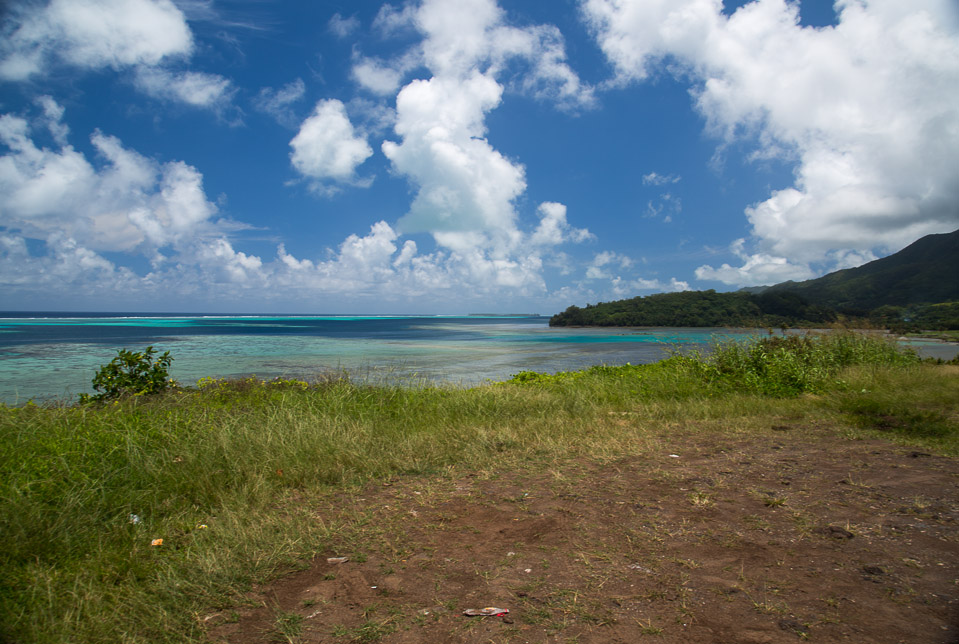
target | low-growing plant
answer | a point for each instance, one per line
(132, 373)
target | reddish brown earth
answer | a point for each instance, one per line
(795, 534)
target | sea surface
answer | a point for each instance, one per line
(45, 356)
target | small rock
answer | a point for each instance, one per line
(337, 560)
(873, 570)
(834, 531)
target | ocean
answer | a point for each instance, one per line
(48, 356)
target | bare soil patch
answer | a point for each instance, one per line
(788, 534)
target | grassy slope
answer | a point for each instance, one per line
(220, 474)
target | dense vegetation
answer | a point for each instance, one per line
(217, 476)
(700, 309)
(922, 273)
(913, 289)
(132, 373)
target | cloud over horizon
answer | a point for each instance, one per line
(429, 153)
(867, 110)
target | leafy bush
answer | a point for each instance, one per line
(791, 365)
(132, 373)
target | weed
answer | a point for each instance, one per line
(287, 627)
(647, 628)
(897, 418)
(701, 500)
(368, 632)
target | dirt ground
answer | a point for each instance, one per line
(793, 534)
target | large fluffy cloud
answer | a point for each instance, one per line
(327, 147)
(128, 202)
(143, 35)
(868, 110)
(93, 34)
(464, 184)
(465, 188)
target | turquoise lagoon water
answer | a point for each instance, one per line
(48, 357)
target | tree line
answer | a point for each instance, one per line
(743, 309)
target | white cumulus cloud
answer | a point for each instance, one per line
(465, 189)
(327, 146)
(868, 110)
(125, 202)
(92, 34)
(147, 37)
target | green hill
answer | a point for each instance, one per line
(699, 308)
(917, 287)
(925, 272)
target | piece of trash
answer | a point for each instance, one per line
(202, 526)
(337, 560)
(510, 554)
(134, 519)
(156, 542)
(674, 456)
(485, 612)
(528, 570)
(640, 568)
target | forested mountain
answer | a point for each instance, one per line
(918, 286)
(699, 308)
(925, 272)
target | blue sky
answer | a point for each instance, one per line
(440, 156)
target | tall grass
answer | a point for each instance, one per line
(771, 366)
(224, 473)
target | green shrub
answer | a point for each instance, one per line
(132, 373)
(794, 364)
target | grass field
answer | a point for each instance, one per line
(219, 472)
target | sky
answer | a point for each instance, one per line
(462, 156)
